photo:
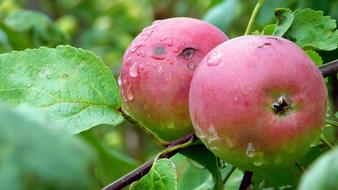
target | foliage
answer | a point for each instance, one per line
(161, 176)
(36, 155)
(72, 85)
(308, 28)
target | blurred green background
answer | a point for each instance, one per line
(106, 27)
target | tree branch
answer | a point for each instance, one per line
(246, 181)
(329, 68)
(142, 170)
(326, 70)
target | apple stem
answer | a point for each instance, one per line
(157, 139)
(331, 122)
(327, 143)
(253, 16)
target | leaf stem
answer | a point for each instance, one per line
(331, 122)
(232, 169)
(253, 16)
(219, 185)
(174, 148)
(157, 139)
(327, 143)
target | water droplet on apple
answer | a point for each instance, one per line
(257, 162)
(148, 115)
(214, 59)
(129, 93)
(168, 75)
(170, 61)
(134, 47)
(178, 48)
(213, 147)
(229, 142)
(224, 164)
(170, 42)
(159, 70)
(191, 65)
(170, 125)
(145, 107)
(213, 136)
(199, 132)
(163, 38)
(133, 70)
(141, 53)
(250, 151)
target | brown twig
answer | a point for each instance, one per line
(329, 68)
(246, 181)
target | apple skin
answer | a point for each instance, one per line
(232, 94)
(157, 70)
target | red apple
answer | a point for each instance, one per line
(157, 70)
(258, 102)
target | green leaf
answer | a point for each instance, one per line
(200, 154)
(309, 29)
(266, 13)
(268, 29)
(315, 57)
(71, 85)
(4, 44)
(285, 178)
(111, 164)
(36, 156)
(284, 20)
(162, 175)
(234, 180)
(224, 14)
(202, 179)
(322, 174)
(44, 31)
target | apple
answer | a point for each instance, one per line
(156, 73)
(258, 102)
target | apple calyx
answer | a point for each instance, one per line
(282, 106)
